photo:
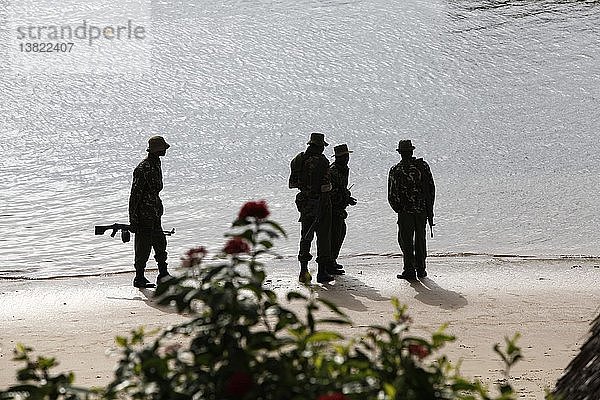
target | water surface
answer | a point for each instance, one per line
(500, 98)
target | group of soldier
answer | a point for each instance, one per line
(324, 196)
(322, 201)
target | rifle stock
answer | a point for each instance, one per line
(125, 231)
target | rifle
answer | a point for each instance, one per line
(429, 213)
(125, 231)
(315, 223)
(424, 169)
(431, 225)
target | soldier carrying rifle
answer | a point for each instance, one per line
(310, 174)
(411, 194)
(340, 199)
(145, 212)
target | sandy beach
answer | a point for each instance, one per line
(551, 302)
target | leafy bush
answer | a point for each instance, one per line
(241, 342)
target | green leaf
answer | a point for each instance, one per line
(336, 321)
(439, 338)
(332, 307)
(248, 234)
(275, 226)
(296, 296)
(46, 362)
(266, 244)
(240, 222)
(324, 336)
(389, 390)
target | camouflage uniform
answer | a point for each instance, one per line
(340, 199)
(411, 193)
(314, 204)
(145, 212)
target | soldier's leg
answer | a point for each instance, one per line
(420, 244)
(324, 260)
(159, 243)
(324, 236)
(307, 234)
(342, 235)
(337, 227)
(406, 232)
(338, 230)
(143, 246)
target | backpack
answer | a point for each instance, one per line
(407, 194)
(296, 165)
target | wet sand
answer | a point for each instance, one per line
(482, 298)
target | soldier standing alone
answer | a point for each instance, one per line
(340, 199)
(411, 194)
(145, 212)
(310, 174)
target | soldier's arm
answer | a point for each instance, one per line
(429, 190)
(392, 191)
(152, 178)
(134, 198)
(337, 192)
(322, 180)
(429, 184)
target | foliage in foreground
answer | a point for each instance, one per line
(242, 343)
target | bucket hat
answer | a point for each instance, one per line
(341, 150)
(405, 145)
(157, 143)
(317, 138)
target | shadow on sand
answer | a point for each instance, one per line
(431, 293)
(346, 290)
(149, 299)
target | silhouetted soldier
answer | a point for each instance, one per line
(340, 199)
(145, 212)
(411, 193)
(310, 174)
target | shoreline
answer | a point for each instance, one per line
(483, 299)
(391, 257)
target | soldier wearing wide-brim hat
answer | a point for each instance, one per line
(405, 145)
(310, 174)
(341, 150)
(411, 194)
(341, 198)
(317, 139)
(157, 144)
(145, 213)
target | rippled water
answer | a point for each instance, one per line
(501, 99)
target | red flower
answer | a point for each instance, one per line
(332, 396)
(197, 252)
(418, 350)
(236, 245)
(256, 209)
(238, 384)
(193, 257)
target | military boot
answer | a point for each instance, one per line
(322, 275)
(305, 276)
(141, 282)
(408, 274)
(334, 268)
(163, 274)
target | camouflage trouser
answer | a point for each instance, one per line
(411, 237)
(150, 235)
(338, 233)
(322, 227)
